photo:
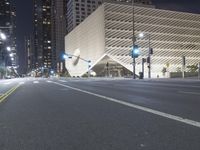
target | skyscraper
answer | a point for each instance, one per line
(58, 33)
(13, 38)
(8, 27)
(29, 54)
(78, 10)
(42, 33)
(49, 32)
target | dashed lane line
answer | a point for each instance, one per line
(145, 109)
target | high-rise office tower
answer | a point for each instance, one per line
(29, 59)
(49, 32)
(42, 34)
(58, 33)
(8, 27)
(13, 38)
(144, 2)
(78, 10)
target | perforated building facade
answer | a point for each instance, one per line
(107, 35)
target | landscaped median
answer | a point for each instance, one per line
(9, 92)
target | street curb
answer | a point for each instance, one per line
(8, 93)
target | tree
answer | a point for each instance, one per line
(178, 69)
(192, 68)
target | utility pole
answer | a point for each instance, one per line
(133, 38)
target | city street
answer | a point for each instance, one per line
(99, 114)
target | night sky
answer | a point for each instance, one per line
(25, 16)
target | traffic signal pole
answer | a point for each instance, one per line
(149, 55)
(133, 38)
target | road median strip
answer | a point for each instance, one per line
(9, 92)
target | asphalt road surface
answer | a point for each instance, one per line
(99, 114)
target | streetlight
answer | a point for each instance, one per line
(8, 49)
(150, 51)
(11, 55)
(141, 35)
(65, 56)
(52, 72)
(2, 36)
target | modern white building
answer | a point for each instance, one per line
(105, 38)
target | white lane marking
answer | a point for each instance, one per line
(167, 84)
(35, 81)
(21, 82)
(7, 83)
(185, 92)
(48, 81)
(62, 81)
(145, 109)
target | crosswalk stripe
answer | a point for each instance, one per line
(35, 81)
(7, 83)
(62, 81)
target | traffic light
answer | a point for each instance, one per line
(144, 60)
(89, 63)
(135, 51)
(148, 59)
(151, 51)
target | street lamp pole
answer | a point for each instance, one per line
(133, 38)
(199, 70)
